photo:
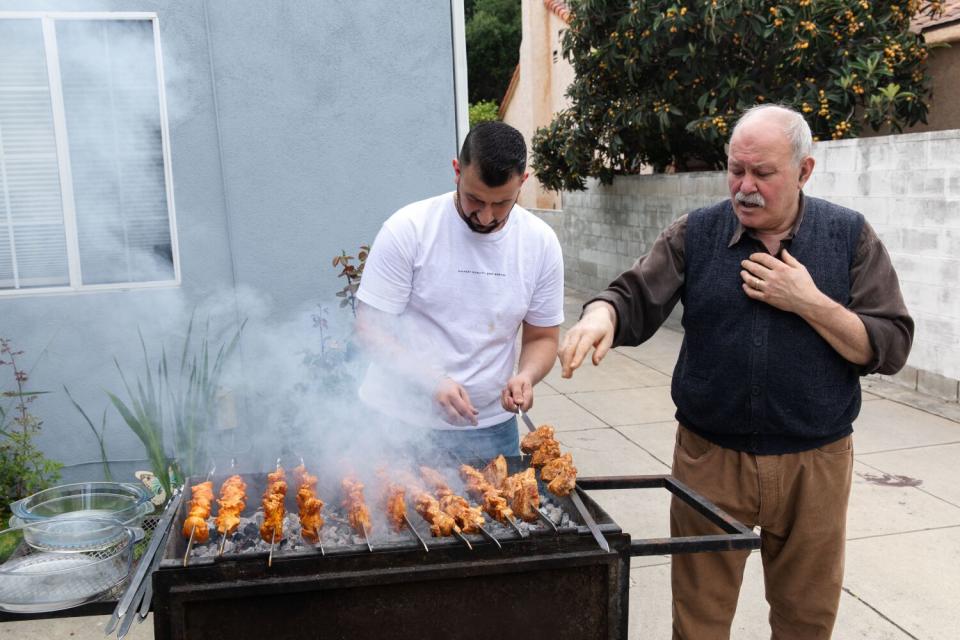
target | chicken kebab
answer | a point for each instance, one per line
(519, 491)
(394, 500)
(489, 495)
(556, 470)
(273, 508)
(195, 524)
(231, 503)
(358, 515)
(468, 519)
(308, 504)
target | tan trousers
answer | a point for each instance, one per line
(799, 500)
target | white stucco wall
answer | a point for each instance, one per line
(296, 129)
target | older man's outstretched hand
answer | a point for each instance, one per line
(595, 329)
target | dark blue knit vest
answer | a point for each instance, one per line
(749, 376)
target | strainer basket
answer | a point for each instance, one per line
(34, 580)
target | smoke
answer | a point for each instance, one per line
(299, 383)
(109, 79)
(291, 389)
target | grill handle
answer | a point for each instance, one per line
(736, 535)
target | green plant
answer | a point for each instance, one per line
(98, 434)
(661, 82)
(352, 274)
(144, 416)
(23, 468)
(492, 33)
(181, 399)
(484, 111)
(192, 395)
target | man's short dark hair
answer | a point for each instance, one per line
(497, 150)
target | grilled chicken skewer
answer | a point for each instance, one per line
(521, 491)
(197, 513)
(358, 514)
(309, 505)
(395, 504)
(273, 509)
(468, 519)
(490, 497)
(232, 501)
(441, 523)
(556, 470)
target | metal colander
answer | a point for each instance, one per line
(33, 580)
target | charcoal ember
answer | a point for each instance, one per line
(250, 530)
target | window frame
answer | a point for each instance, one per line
(48, 21)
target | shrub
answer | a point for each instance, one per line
(23, 468)
(484, 111)
(661, 82)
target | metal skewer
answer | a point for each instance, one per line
(414, 531)
(516, 527)
(456, 532)
(273, 541)
(489, 536)
(223, 542)
(366, 536)
(546, 518)
(186, 556)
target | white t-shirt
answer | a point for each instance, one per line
(460, 298)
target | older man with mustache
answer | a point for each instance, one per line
(787, 301)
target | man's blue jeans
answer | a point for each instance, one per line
(480, 444)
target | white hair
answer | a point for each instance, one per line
(795, 127)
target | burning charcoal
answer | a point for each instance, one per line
(251, 530)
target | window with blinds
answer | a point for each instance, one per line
(83, 179)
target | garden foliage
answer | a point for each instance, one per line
(24, 469)
(661, 82)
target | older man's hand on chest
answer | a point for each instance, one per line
(785, 284)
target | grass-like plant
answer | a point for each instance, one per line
(144, 415)
(192, 392)
(97, 433)
(180, 397)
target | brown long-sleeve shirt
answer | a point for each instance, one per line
(645, 295)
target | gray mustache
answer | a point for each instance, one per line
(753, 198)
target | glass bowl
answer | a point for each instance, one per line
(33, 581)
(74, 504)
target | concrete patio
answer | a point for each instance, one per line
(903, 552)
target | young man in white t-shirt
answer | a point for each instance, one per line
(448, 286)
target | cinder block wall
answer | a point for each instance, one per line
(907, 186)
